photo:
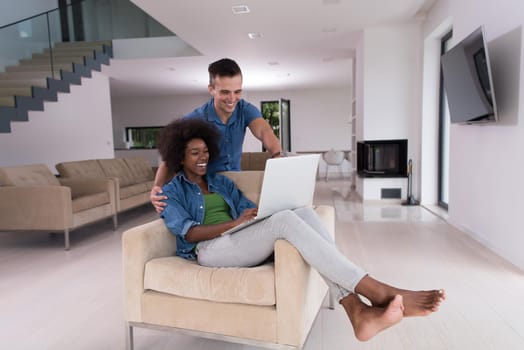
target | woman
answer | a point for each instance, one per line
(201, 206)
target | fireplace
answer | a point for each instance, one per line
(382, 158)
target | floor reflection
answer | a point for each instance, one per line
(349, 207)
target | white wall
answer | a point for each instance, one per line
(320, 121)
(319, 118)
(76, 127)
(391, 98)
(486, 162)
(150, 111)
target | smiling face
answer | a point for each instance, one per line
(226, 91)
(196, 157)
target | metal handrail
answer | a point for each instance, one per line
(38, 15)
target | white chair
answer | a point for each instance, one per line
(333, 158)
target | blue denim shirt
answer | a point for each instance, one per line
(185, 206)
(233, 132)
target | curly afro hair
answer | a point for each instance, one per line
(175, 136)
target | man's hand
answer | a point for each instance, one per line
(156, 199)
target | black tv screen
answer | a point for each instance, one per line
(467, 81)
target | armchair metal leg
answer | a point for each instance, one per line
(129, 337)
(66, 238)
(115, 222)
(331, 299)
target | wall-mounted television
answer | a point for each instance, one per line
(467, 81)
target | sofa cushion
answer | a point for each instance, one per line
(27, 175)
(257, 160)
(254, 160)
(81, 169)
(140, 168)
(116, 167)
(132, 190)
(90, 201)
(181, 277)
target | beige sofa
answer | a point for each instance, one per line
(133, 177)
(254, 160)
(272, 305)
(32, 198)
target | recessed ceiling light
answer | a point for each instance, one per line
(254, 35)
(171, 69)
(273, 63)
(330, 2)
(240, 9)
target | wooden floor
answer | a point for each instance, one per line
(53, 299)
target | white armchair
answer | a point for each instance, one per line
(272, 305)
(334, 158)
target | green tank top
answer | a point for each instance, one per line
(217, 210)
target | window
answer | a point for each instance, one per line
(143, 136)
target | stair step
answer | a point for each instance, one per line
(4, 83)
(7, 101)
(19, 91)
(83, 44)
(47, 60)
(39, 68)
(26, 86)
(28, 75)
(65, 53)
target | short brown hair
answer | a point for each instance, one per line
(224, 67)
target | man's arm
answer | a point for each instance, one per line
(262, 131)
(161, 178)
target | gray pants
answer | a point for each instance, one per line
(303, 229)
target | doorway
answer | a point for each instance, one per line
(278, 115)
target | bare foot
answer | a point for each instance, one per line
(421, 303)
(416, 303)
(368, 321)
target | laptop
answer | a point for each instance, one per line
(288, 183)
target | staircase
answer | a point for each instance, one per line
(26, 86)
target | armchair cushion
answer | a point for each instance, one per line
(249, 182)
(178, 276)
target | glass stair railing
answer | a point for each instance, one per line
(42, 55)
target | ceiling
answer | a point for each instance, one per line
(304, 44)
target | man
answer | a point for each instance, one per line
(230, 114)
